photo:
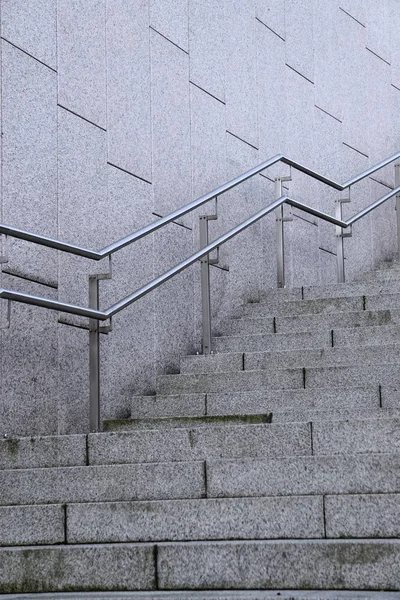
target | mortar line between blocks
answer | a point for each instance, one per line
(324, 513)
(156, 578)
(87, 449)
(311, 438)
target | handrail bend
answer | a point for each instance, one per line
(176, 214)
(144, 290)
(95, 315)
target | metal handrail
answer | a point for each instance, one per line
(137, 235)
(155, 283)
(95, 315)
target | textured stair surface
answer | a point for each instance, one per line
(268, 470)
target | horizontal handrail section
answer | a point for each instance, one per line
(144, 231)
(155, 283)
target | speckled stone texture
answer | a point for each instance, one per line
(102, 484)
(28, 453)
(295, 564)
(241, 518)
(122, 567)
(32, 525)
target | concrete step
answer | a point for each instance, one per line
(322, 564)
(102, 483)
(383, 335)
(334, 414)
(289, 564)
(212, 595)
(362, 516)
(303, 307)
(387, 375)
(299, 517)
(177, 405)
(262, 402)
(275, 341)
(32, 525)
(247, 441)
(185, 422)
(49, 451)
(77, 568)
(358, 436)
(270, 361)
(241, 381)
(309, 323)
(200, 443)
(347, 290)
(322, 474)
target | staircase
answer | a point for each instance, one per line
(273, 464)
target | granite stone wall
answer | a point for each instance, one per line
(115, 112)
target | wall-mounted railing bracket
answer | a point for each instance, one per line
(280, 243)
(340, 235)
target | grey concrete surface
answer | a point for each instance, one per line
(358, 436)
(236, 565)
(276, 341)
(362, 516)
(32, 525)
(211, 441)
(102, 483)
(33, 453)
(80, 568)
(200, 106)
(207, 519)
(340, 474)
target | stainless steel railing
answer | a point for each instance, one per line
(95, 315)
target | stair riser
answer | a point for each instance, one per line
(32, 525)
(102, 484)
(311, 323)
(273, 342)
(293, 439)
(51, 451)
(303, 307)
(211, 519)
(260, 565)
(271, 361)
(340, 474)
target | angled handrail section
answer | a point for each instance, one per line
(96, 315)
(176, 214)
(103, 315)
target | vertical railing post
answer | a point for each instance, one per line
(397, 184)
(280, 244)
(205, 288)
(339, 244)
(94, 357)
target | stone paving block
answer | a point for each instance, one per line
(340, 474)
(383, 374)
(208, 519)
(32, 26)
(335, 414)
(326, 564)
(37, 452)
(82, 58)
(350, 437)
(275, 341)
(171, 21)
(102, 484)
(128, 90)
(206, 37)
(367, 336)
(230, 382)
(212, 363)
(333, 321)
(296, 400)
(305, 307)
(77, 568)
(32, 525)
(189, 405)
(313, 357)
(363, 516)
(29, 163)
(201, 443)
